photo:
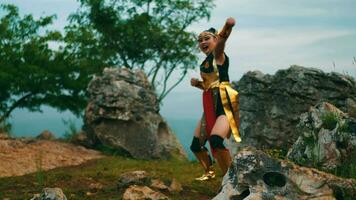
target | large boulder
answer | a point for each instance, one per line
(253, 175)
(327, 138)
(123, 114)
(270, 105)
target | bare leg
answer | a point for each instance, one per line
(221, 127)
(197, 129)
(219, 132)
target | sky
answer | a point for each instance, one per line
(269, 35)
(275, 34)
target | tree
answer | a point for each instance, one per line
(140, 34)
(31, 73)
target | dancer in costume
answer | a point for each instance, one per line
(220, 102)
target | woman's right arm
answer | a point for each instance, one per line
(223, 35)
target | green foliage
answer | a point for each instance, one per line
(39, 170)
(72, 130)
(5, 127)
(150, 35)
(33, 74)
(352, 111)
(330, 120)
(344, 127)
(276, 153)
(348, 169)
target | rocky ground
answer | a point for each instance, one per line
(24, 156)
(277, 112)
(114, 177)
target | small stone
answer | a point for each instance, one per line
(50, 194)
(94, 187)
(133, 178)
(175, 186)
(158, 184)
(135, 192)
(89, 193)
(46, 135)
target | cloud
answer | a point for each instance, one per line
(280, 8)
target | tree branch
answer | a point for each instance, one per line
(15, 105)
(163, 95)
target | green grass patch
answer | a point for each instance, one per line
(276, 153)
(75, 180)
(71, 132)
(330, 120)
(348, 169)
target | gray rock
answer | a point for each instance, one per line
(270, 106)
(133, 178)
(50, 194)
(136, 192)
(158, 184)
(254, 175)
(327, 138)
(123, 113)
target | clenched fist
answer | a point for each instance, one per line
(194, 82)
(230, 22)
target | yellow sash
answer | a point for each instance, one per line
(227, 93)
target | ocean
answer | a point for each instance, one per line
(25, 124)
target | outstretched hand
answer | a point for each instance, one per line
(230, 22)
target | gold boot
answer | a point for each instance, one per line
(224, 159)
(206, 162)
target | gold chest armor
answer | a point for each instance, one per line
(211, 79)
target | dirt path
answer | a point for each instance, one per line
(24, 156)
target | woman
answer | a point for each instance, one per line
(220, 102)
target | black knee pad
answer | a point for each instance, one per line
(217, 142)
(195, 146)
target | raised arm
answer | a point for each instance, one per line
(223, 35)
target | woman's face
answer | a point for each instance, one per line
(207, 42)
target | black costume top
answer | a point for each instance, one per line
(223, 69)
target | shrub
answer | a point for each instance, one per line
(330, 120)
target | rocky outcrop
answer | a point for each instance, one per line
(123, 113)
(24, 156)
(270, 105)
(254, 175)
(327, 138)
